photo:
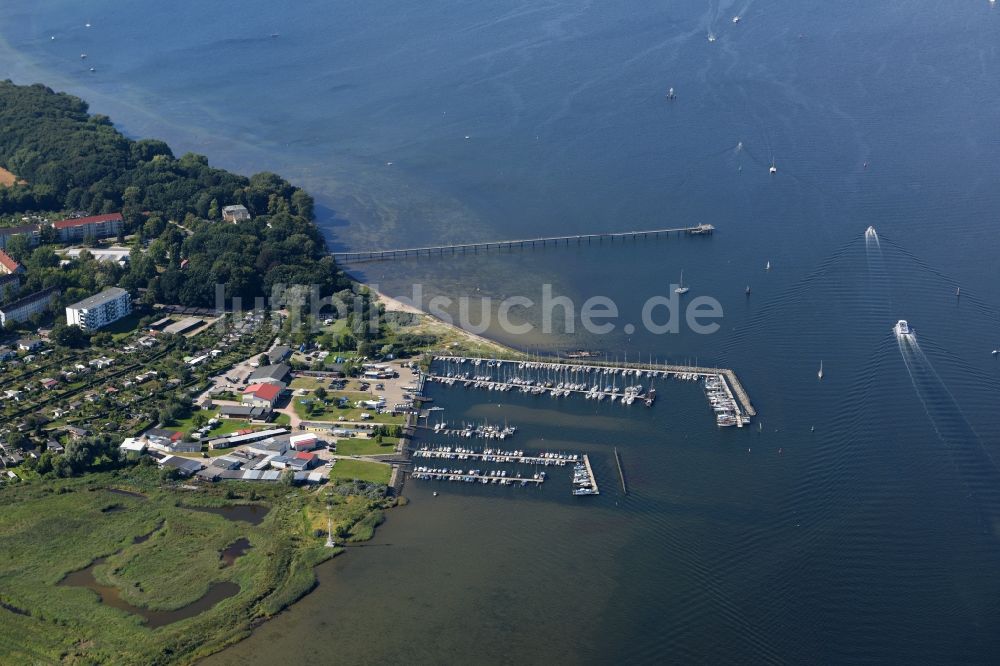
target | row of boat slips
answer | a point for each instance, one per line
(628, 394)
(484, 431)
(496, 456)
(495, 476)
(727, 412)
(592, 381)
(583, 483)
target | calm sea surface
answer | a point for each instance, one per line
(874, 537)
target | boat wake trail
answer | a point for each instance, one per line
(964, 446)
(877, 275)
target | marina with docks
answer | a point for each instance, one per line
(584, 481)
(595, 381)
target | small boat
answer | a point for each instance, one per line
(83, 56)
(435, 493)
(681, 289)
(958, 292)
(767, 266)
(711, 37)
(996, 352)
(93, 69)
(670, 94)
(736, 19)
(86, 25)
(773, 170)
(820, 373)
(902, 328)
(748, 290)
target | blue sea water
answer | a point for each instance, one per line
(874, 537)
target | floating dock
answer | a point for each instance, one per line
(579, 239)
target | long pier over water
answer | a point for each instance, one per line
(579, 239)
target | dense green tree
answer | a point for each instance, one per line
(68, 336)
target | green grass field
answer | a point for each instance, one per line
(51, 527)
(309, 383)
(360, 446)
(361, 470)
(332, 412)
(226, 427)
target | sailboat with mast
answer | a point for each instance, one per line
(681, 289)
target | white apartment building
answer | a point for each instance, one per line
(100, 309)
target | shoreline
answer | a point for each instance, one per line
(476, 341)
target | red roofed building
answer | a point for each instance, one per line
(8, 266)
(310, 459)
(96, 226)
(261, 395)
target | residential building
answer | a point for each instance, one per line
(269, 447)
(227, 462)
(76, 432)
(32, 231)
(100, 309)
(133, 445)
(237, 213)
(8, 266)
(185, 466)
(279, 354)
(24, 308)
(183, 326)
(251, 412)
(113, 255)
(304, 442)
(96, 226)
(274, 374)
(261, 395)
(10, 284)
(310, 459)
(29, 344)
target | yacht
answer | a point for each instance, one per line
(681, 289)
(902, 328)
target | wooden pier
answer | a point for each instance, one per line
(594, 490)
(578, 239)
(621, 472)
